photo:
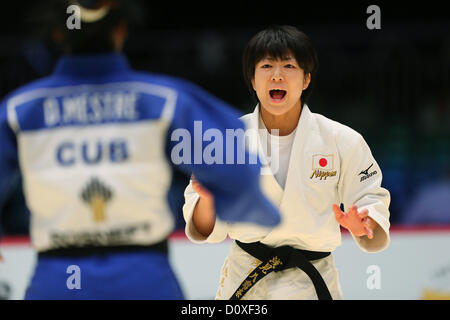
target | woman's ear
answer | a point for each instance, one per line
(253, 83)
(307, 81)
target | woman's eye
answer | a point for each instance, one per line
(290, 66)
(265, 66)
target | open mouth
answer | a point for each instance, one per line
(277, 94)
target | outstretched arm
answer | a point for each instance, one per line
(363, 196)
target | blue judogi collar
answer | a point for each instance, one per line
(91, 65)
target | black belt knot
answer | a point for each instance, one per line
(279, 259)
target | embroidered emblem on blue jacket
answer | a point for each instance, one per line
(96, 195)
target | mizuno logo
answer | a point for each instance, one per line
(364, 172)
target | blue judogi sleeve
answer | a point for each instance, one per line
(235, 186)
(9, 165)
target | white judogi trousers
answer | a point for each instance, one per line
(290, 284)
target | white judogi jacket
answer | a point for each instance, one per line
(329, 163)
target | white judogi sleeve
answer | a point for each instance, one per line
(219, 232)
(360, 184)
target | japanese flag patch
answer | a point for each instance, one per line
(322, 162)
(322, 166)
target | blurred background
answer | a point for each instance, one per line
(392, 84)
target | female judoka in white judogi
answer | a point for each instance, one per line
(315, 165)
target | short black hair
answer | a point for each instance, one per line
(276, 42)
(93, 37)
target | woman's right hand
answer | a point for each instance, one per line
(204, 217)
(201, 190)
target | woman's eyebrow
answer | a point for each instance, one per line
(287, 58)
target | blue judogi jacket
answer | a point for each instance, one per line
(98, 143)
(98, 146)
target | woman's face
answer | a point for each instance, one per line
(279, 83)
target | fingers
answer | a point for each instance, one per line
(337, 211)
(353, 209)
(364, 213)
(195, 183)
(369, 232)
(359, 223)
(369, 226)
(198, 187)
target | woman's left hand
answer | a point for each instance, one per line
(358, 223)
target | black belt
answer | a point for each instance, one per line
(279, 259)
(72, 251)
